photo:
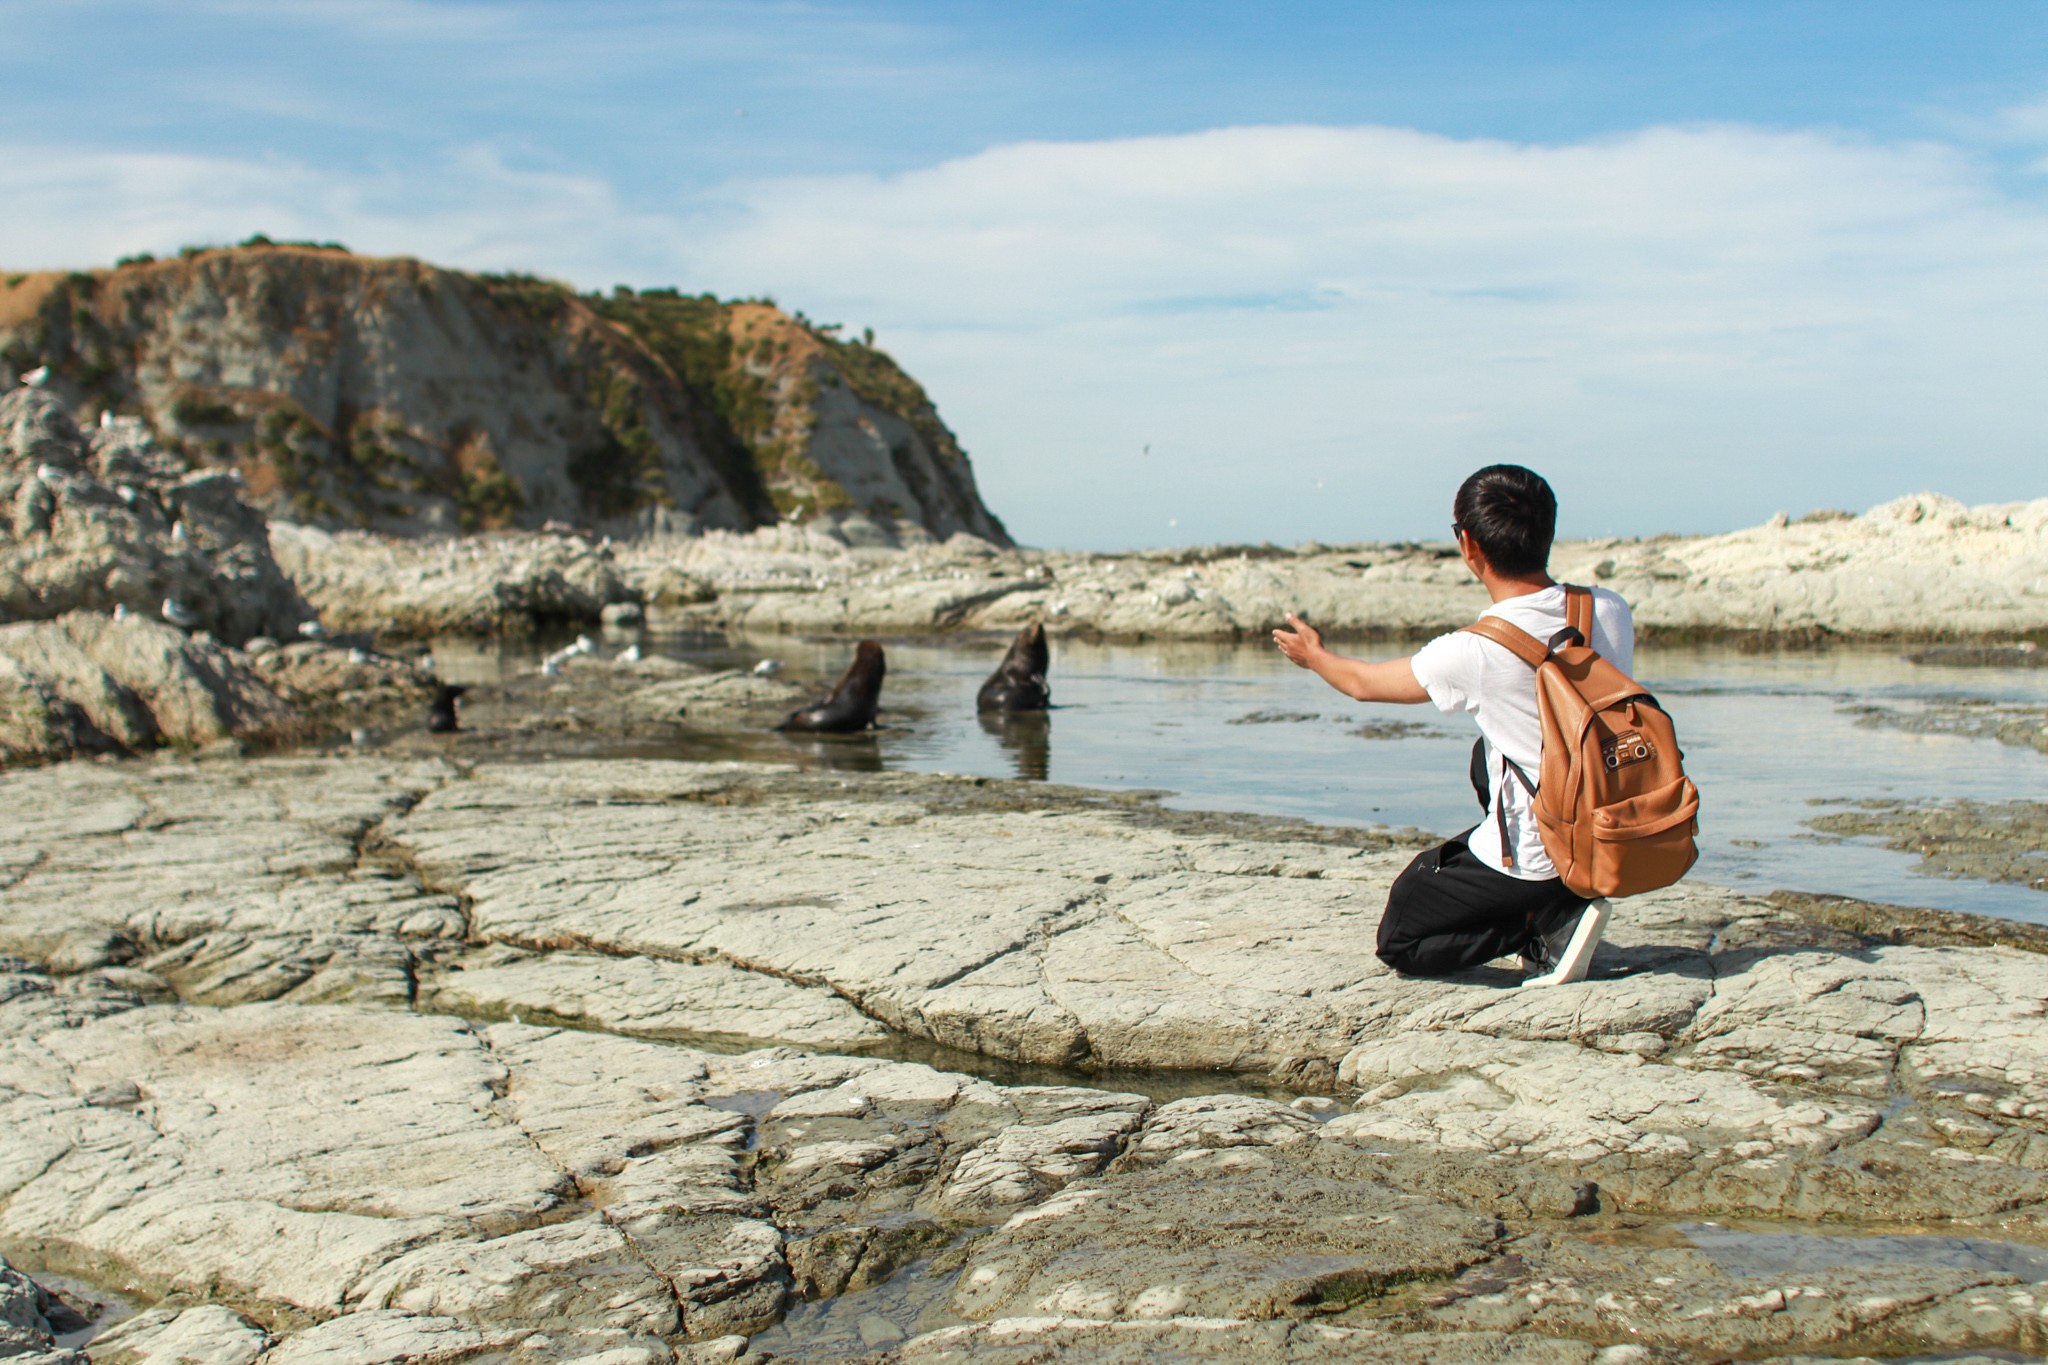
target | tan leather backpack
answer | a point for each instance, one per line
(1616, 811)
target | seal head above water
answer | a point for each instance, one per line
(441, 711)
(852, 704)
(1018, 684)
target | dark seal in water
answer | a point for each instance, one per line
(852, 703)
(441, 711)
(1018, 684)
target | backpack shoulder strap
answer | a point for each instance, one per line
(1578, 611)
(1512, 638)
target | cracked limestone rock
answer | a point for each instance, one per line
(204, 1335)
(650, 997)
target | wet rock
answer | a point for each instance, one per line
(1683, 1298)
(1998, 841)
(1234, 1234)
(1023, 1340)
(25, 1333)
(2024, 727)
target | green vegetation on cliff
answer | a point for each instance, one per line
(390, 394)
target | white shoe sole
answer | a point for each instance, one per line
(1577, 957)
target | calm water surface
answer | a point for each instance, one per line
(1235, 727)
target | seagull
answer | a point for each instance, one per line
(179, 615)
(629, 655)
(128, 494)
(37, 377)
(106, 418)
(584, 644)
(766, 668)
(359, 656)
(49, 473)
(312, 630)
(120, 611)
(178, 532)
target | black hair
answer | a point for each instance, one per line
(1512, 514)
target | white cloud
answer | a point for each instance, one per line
(1733, 320)
(472, 209)
(1686, 328)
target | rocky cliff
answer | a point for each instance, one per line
(396, 396)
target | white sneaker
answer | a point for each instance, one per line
(1566, 953)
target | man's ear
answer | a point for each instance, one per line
(1474, 557)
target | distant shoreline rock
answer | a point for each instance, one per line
(1919, 568)
(1922, 567)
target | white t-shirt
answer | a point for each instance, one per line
(1462, 672)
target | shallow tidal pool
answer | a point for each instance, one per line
(1773, 739)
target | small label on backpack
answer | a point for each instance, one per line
(1624, 749)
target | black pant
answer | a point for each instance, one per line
(1448, 910)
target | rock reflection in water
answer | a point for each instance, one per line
(1026, 736)
(838, 753)
(1770, 1252)
(913, 1300)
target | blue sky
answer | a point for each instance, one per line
(1320, 259)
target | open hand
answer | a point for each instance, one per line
(1299, 644)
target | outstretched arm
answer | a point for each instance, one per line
(1392, 680)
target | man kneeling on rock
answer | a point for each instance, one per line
(1492, 890)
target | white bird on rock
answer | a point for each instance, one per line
(37, 377)
(120, 611)
(179, 615)
(359, 656)
(629, 655)
(49, 473)
(552, 664)
(766, 668)
(312, 630)
(178, 532)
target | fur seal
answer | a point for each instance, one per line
(1018, 684)
(441, 711)
(853, 701)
